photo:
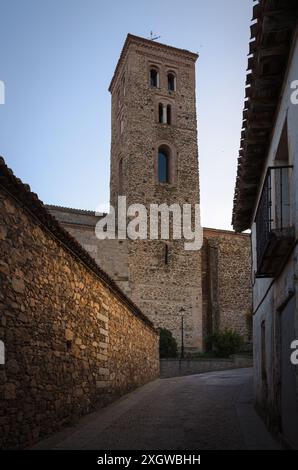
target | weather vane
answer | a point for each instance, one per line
(153, 37)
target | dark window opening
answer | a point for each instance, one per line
(153, 78)
(163, 166)
(263, 362)
(160, 113)
(171, 82)
(275, 233)
(166, 254)
(169, 114)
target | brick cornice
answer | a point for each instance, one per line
(149, 44)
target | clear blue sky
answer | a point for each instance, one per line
(57, 58)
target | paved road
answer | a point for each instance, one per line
(205, 411)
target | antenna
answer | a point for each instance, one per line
(153, 37)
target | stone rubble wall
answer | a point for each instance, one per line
(111, 255)
(226, 282)
(71, 342)
(225, 272)
(176, 367)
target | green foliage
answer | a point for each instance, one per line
(225, 343)
(167, 345)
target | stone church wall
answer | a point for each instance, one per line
(226, 282)
(111, 255)
(73, 340)
(157, 287)
(225, 271)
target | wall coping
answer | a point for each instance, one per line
(73, 210)
(207, 359)
(198, 359)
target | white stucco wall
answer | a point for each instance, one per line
(266, 302)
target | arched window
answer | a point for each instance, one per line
(163, 165)
(154, 78)
(160, 113)
(171, 81)
(169, 114)
(164, 113)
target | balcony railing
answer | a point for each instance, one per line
(274, 231)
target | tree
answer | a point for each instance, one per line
(167, 344)
(225, 343)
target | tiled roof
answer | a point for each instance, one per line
(70, 209)
(274, 22)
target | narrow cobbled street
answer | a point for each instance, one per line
(206, 411)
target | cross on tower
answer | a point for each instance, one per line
(153, 37)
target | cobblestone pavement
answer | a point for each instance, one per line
(206, 411)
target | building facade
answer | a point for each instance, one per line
(154, 160)
(266, 200)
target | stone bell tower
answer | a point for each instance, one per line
(154, 159)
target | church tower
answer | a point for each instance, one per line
(154, 159)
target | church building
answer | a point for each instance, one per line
(154, 160)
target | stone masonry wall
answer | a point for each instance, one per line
(225, 274)
(111, 255)
(72, 341)
(226, 282)
(160, 289)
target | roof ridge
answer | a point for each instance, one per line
(72, 209)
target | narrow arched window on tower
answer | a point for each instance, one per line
(154, 78)
(169, 114)
(163, 165)
(160, 113)
(171, 82)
